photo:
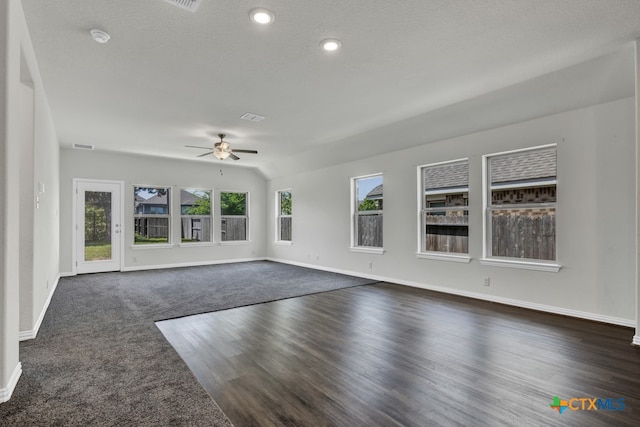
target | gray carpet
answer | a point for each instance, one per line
(100, 360)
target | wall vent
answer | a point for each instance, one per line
(252, 117)
(190, 5)
(83, 146)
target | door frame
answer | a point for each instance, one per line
(75, 219)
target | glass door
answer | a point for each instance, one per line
(98, 226)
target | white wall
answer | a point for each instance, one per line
(45, 205)
(151, 171)
(595, 219)
(636, 48)
(25, 287)
(26, 194)
(9, 365)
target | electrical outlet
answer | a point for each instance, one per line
(487, 281)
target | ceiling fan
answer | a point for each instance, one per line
(222, 149)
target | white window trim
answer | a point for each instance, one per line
(152, 246)
(444, 256)
(195, 244)
(433, 255)
(170, 242)
(211, 241)
(525, 264)
(354, 211)
(522, 264)
(245, 216)
(278, 240)
(235, 242)
(367, 250)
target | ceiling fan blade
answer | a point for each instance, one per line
(245, 151)
(205, 154)
(195, 146)
(233, 156)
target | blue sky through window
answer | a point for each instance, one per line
(367, 184)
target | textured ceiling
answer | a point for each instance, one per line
(169, 77)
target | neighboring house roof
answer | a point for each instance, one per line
(375, 193)
(515, 168)
(187, 198)
(450, 175)
(526, 166)
(156, 199)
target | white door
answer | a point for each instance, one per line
(98, 227)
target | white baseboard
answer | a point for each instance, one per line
(32, 333)
(5, 393)
(507, 301)
(191, 264)
(636, 340)
(68, 274)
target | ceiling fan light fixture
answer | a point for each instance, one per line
(331, 45)
(262, 16)
(221, 154)
(222, 150)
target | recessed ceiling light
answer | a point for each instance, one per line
(100, 36)
(262, 16)
(330, 44)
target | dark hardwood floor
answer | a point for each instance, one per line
(389, 355)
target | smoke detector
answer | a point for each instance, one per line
(100, 36)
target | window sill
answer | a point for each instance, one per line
(162, 246)
(525, 265)
(235, 242)
(195, 244)
(376, 251)
(283, 242)
(439, 256)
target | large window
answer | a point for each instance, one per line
(520, 205)
(233, 216)
(152, 215)
(367, 212)
(283, 206)
(444, 212)
(195, 219)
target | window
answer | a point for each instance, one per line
(367, 212)
(152, 215)
(283, 206)
(520, 205)
(195, 220)
(233, 216)
(444, 212)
